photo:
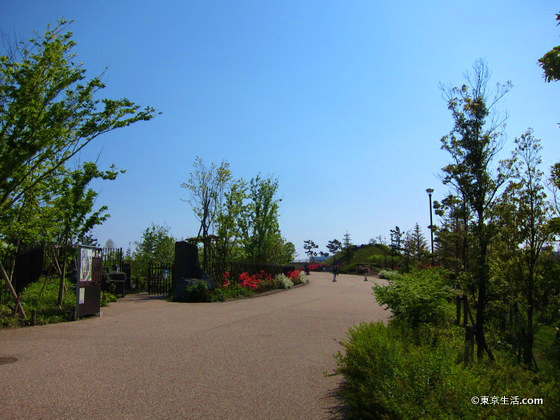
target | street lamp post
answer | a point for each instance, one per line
(430, 191)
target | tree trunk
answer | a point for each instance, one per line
(62, 276)
(480, 319)
(483, 276)
(12, 291)
(529, 337)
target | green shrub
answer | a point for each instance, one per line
(198, 292)
(283, 282)
(418, 297)
(233, 291)
(388, 377)
(388, 274)
(107, 297)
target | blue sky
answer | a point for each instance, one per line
(339, 100)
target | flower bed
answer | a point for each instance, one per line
(243, 286)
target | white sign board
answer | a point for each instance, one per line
(86, 255)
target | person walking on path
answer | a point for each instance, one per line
(335, 272)
(366, 272)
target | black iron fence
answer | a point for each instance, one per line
(112, 259)
(160, 279)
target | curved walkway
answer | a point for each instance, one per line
(145, 358)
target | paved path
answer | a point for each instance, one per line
(145, 358)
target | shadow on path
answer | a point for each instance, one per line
(142, 297)
(337, 411)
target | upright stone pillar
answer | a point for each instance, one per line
(187, 268)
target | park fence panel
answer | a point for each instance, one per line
(160, 279)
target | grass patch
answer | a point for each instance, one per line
(42, 297)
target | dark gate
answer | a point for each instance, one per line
(160, 279)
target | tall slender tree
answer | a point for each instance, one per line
(207, 186)
(532, 217)
(473, 144)
(396, 243)
(347, 246)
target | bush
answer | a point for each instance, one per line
(107, 297)
(198, 292)
(388, 274)
(295, 276)
(418, 297)
(387, 377)
(283, 282)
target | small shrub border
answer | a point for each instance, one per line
(245, 286)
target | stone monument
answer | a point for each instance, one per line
(187, 268)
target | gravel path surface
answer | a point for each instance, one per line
(146, 358)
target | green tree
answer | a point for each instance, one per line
(408, 250)
(550, 62)
(396, 243)
(48, 114)
(310, 247)
(157, 246)
(452, 237)
(473, 143)
(530, 229)
(347, 246)
(74, 214)
(207, 186)
(231, 214)
(554, 185)
(419, 245)
(283, 252)
(260, 227)
(334, 247)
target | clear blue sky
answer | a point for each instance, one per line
(337, 99)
